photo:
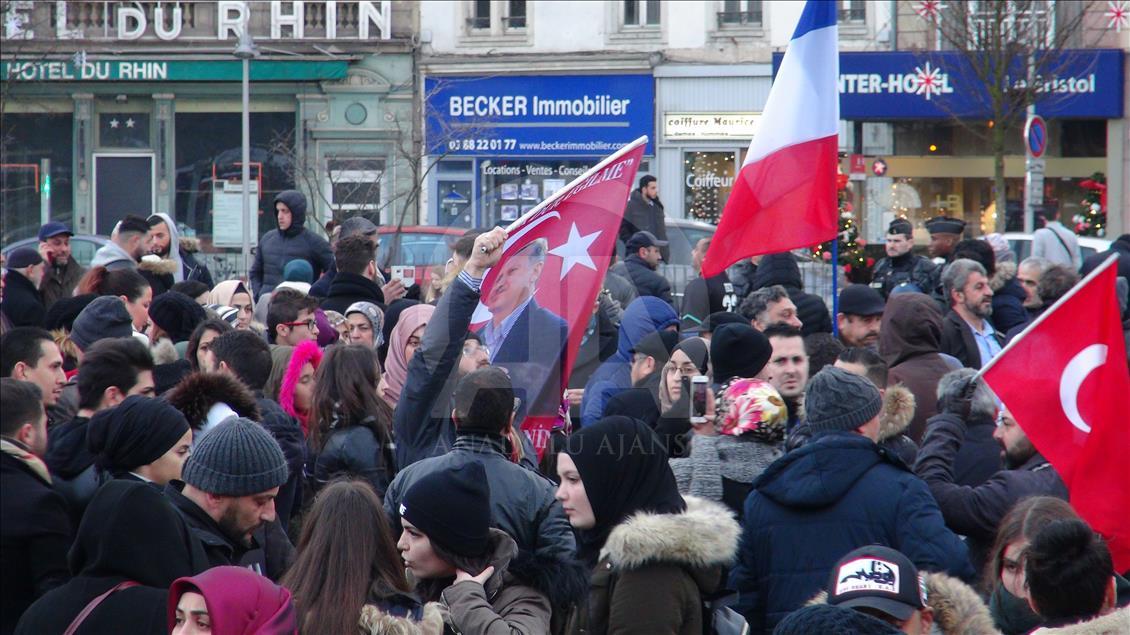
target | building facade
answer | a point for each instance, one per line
(135, 108)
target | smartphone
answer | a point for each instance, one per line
(406, 275)
(699, 395)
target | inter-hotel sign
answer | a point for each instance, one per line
(165, 21)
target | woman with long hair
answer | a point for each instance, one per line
(127, 284)
(291, 382)
(347, 570)
(200, 341)
(350, 426)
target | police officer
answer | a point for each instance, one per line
(901, 268)
(945, 232)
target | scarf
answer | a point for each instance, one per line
(396, 364)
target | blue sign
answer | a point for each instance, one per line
(1085, 83)
(538, 115)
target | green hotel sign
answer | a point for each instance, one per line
(169, 71)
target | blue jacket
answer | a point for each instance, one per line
(644, 316)
(815, 504)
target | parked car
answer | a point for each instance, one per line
(683, 234)
(418, 246)
(1021, 245)
(83, 246)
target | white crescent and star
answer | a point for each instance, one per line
(575, 250)
(1072, 378)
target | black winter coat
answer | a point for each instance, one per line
(34, 538)
(286, 430)
(816, 503)
(704, 296)
(22, 302)
(348, 288)
(356, 452)
(645, 279)
(976, 512)
(643, 215)
(891, 273)
(194, 269)
(782, 269)
(72, 466)
(1008, 307)
(276, 248)
(131, 534)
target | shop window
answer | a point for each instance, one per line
(354, 184)
(512, 187)
(708, 178)
(641, 13)
(1082, 138)
(736, 13)
(25, 142)
(853, 11)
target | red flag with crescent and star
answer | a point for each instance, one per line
(1065, 381)
(536, 302)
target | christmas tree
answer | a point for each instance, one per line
(855, 262)
(1092, 220)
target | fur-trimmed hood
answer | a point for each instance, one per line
(1005, 271)
(158, 266)
(195, 395)
(374, 622)
(164, 352)
(1116, 623)
(703, 536)
(958, 610)
(189, 244)
(897, 412)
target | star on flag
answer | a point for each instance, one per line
(575, 251)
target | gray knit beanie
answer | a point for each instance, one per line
(838, 400)
(236, 458)
(106, 316)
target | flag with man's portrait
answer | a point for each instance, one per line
(537, 301)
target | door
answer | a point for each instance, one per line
(123, 185)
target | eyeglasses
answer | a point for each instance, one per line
(310, 324)
(470, 350)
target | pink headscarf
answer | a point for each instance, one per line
(396, 364)
(239, 601)
(306, 352)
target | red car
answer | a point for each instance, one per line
(413, 249)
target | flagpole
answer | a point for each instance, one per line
(835, 285)
(1067, 296)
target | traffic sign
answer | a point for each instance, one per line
(1036, 136)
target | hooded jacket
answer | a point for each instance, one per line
(71, 463)
(976, 512)
(894, 421)
(909, 341)
(22, 304)
(180, 252)
(643, 214)
(113, 257)
(1008, 298)
(131, 534)
(159, 272)
(197, 393)
(34, 537)
(655, 570)
(643, 316)
(839, 492)
(782, 269)
(276, 247)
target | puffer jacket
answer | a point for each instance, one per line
(1008, 299)
(839, 492)
(655, 569)
(356, 452)
(782, 269)
(276, 248)
(522, 502)
(642, 317)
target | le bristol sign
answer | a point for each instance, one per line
(165, 20)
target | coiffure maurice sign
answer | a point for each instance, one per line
(940, 85)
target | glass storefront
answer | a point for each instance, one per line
(27, 139)
(708, 177)
(509, 188)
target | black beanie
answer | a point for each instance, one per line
(136, 432)
(452, 508)
(176, 314)
(738, 350)
(63, 312)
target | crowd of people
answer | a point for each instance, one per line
(317, 449)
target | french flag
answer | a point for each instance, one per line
(785, 195)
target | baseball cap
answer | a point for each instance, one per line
(357, 225)
(860, 299)
(878, 578)
(644, 239)
(54, 228)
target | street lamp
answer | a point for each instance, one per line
(245, 50)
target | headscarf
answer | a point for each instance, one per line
(392, 316)
(376, 319)
(751, 407)
(136, 432)
(625, 470)
(396, 364)
(222, 293)
(695, 348)
(305, 353)
(239, 601)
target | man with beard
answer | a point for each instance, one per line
(165, 242)
(861, 316)
(976, 512)
(128, 243)
(63, 271)
(227, 497)
(966, 331)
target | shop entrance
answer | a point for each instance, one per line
(123, 185)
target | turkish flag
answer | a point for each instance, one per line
(1065, 381)
(537, 301)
